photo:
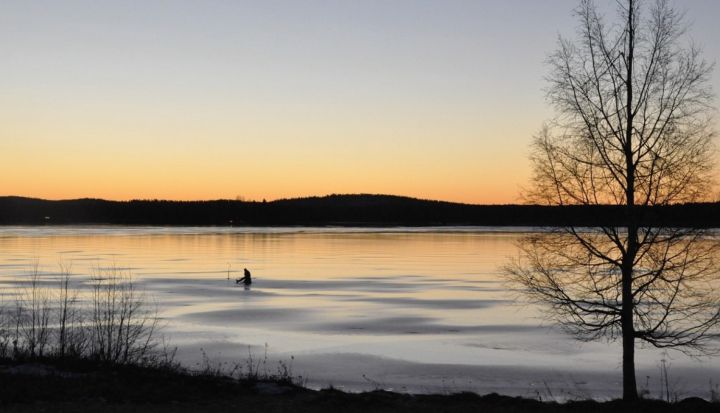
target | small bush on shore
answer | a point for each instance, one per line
(110, 323)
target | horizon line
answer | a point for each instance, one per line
(243, 199)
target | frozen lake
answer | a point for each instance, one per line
(405, 309)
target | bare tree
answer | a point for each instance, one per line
(123, 329)
(633, 129)
(71, 337)
(33, 312)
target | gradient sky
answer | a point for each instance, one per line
(270, 99)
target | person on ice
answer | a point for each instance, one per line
(246, 280)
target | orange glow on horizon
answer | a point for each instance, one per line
(61, 157)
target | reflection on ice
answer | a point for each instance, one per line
(416, 309)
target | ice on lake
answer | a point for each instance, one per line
(407, 309)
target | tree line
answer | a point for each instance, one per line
(349, 210)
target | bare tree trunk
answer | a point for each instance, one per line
(628, 338)
(628, 265)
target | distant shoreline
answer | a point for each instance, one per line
(339, 211)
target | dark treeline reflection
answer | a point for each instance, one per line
(355, 210)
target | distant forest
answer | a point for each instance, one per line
(337, 210)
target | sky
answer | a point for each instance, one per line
(272, 99)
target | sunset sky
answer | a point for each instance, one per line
(271, 99)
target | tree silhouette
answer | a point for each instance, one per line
(632, 129)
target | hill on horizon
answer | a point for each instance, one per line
(335, 209)
(360, 198)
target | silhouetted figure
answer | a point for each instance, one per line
(246, 280)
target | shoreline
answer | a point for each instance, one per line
(82, 385)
